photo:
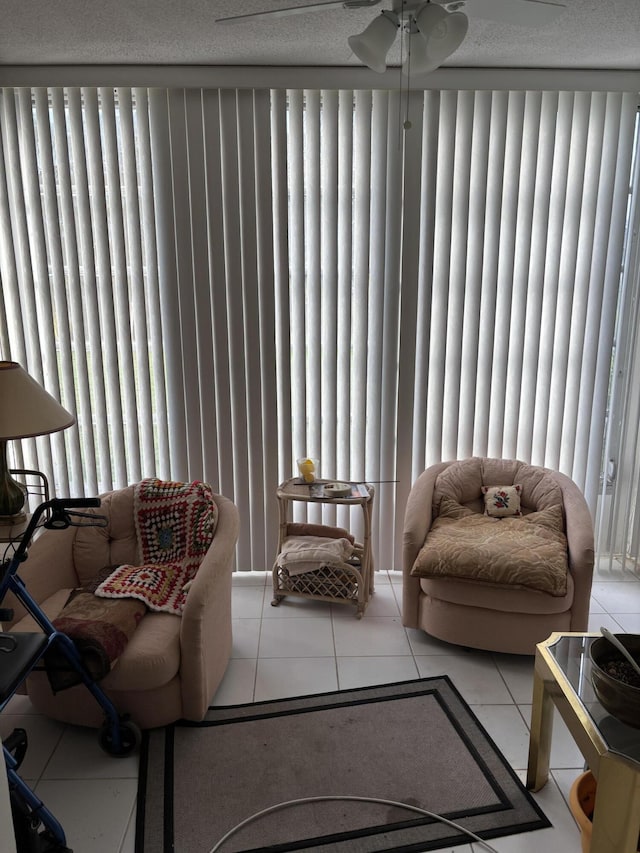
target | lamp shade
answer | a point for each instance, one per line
(26, 409)
(374, 42)
(444, 32)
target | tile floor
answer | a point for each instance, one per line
(308, 647)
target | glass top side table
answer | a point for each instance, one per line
(562, 679)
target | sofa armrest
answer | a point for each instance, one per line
(47, 569)
(417, 522)
(580, 548)
(205, 631)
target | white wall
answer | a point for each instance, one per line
(7, 841)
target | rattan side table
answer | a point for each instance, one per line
(348, 583)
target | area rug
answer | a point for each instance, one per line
(414, 742)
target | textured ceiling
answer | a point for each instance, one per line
(587, 34)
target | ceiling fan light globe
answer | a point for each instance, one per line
(444, 31)
(418, 59)
(374, 42)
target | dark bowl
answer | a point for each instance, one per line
(619, 699)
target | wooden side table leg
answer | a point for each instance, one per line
(540, 735)
(616, 819)
(359, 578)
(283, 512)
(366, 543)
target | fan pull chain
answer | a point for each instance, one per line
(407, 122)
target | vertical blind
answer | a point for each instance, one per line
(219, 281)
(619, 509)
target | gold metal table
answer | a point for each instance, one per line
(562, 679)
(349, 583)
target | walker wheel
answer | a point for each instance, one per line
(130, 737)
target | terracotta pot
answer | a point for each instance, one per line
(582, 801)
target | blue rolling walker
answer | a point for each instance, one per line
(36, 829)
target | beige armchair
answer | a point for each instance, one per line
(477, 611)
(172, 665)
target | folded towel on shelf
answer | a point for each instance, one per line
(304, 528)
(300, 554)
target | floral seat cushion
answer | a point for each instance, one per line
(528, 551)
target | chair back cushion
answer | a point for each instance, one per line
(113, 545)
(462, 481)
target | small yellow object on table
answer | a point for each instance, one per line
(307, 468)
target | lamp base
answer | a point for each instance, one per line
(12, 494)
(11, 520)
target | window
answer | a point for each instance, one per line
(217, 281)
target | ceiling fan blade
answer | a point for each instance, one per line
(290, 10)
(526, 13)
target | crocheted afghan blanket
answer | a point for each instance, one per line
(175, 524)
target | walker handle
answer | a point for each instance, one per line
(63, 508)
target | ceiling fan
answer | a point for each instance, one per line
(432, 31)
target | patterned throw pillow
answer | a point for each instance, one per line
(502, 501)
